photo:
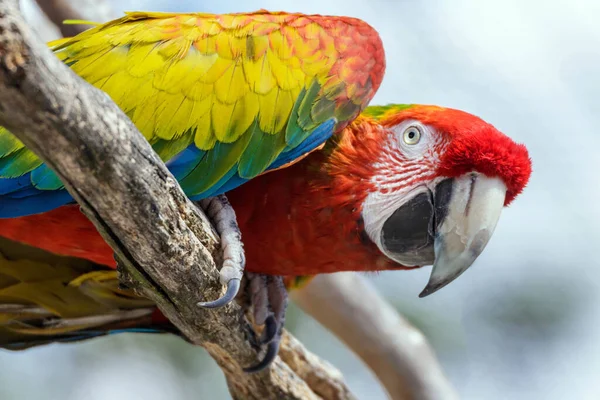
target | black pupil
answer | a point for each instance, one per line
(411, 134)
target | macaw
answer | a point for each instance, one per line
(270, 108)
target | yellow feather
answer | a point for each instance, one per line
(265, 28)
(113, 60)
(275, 109)
(204, 138)
(223, 48)
(282, 73)
(312, 31)
(317, 62)
(306, 48)
(179, 121)
(114, 85)
(259, 76)
(232, 85)
(256, 47)
(168, 105)
(209, 27)
(220, 124)
(147, 35)
(207, 46)
(174, 49)
(242, 114)
(238, 46)
(216, 70)
(143, 60)
(198, 91)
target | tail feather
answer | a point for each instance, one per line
(46, 298)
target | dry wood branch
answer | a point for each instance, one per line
(323, 378)
(394, 350)
(165, 246)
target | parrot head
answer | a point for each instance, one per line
(437, 180)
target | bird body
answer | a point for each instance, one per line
(310, 213)
(306, 219)
(320, 184)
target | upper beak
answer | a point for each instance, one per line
(465, 225)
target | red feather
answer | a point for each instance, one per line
(473, 145)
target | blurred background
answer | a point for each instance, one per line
(524, 323)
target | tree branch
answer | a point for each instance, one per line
(165, 246)
(394, 350)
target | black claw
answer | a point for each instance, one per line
(233, 287)
(270, 331)
(272, 351)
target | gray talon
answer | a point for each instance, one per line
(270, 356)
(270, 331)
(267, 296)
(233, 287)
(222, 216)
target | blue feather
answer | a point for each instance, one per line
(216, 189)
(184, 162)
(44, 201)
(9, 185)
(317, 137)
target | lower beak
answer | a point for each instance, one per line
(464, 226)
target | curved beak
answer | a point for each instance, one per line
(465, 224)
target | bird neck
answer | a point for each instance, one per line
(306, 219)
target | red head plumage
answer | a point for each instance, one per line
(472, 144)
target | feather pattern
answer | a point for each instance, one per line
(45, 298)
(238, 90)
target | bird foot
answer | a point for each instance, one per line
(222, 215)
(268, 298)
(266, 295)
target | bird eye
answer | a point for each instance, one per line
(412, 135)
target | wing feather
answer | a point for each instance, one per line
(242, 88)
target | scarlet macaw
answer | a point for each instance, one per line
(224, 99)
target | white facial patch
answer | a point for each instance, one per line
(378, 207)
(406, 169)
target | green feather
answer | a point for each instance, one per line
(322, 110)
(378, 111)
(293, 131)
(262, 150)
(18, 163)
(301, 121)
(44, 178)
(217, 162)
(8, 142)
(305, 120)
(347, 111)
(167, 149)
